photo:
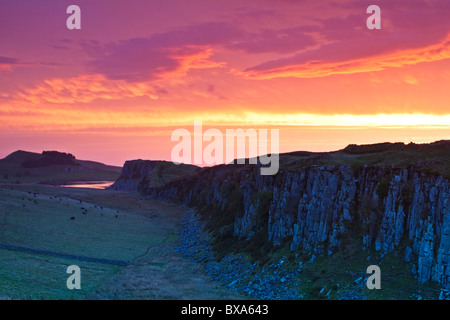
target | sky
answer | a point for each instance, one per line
(117, 88)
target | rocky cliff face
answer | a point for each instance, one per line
(134, 173)
(137, 175)
(312, 208)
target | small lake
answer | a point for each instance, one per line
(88, 184)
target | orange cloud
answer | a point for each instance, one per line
(83, 89)
(315, 69)
(199, 58)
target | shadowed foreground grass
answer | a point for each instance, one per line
(101, 224)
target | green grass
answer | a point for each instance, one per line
(426, 158)
(29, 276)
(99, 232)
(39, 218)
(167, 172)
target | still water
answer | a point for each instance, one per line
(89, 184)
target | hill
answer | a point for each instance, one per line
(52, 167)
(429, 158)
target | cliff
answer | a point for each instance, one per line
(388, 197)
(139, 174)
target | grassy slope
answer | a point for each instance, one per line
(428, 158)
(167, 172)
(40, 218)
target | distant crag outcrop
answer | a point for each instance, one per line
(49, 158)
(53, 167)
(138, 175)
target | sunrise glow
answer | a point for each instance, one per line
(116, 88)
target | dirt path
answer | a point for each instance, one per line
(163, 274)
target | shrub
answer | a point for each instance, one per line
(383, 187)
(407, 195)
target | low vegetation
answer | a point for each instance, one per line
(429, 158)
(93, 223)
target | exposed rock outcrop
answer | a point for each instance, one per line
(387, 196)
(138, 175)
(134, 173)
(313, 207)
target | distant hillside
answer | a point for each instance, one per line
(138, 174)
(48, 158)
(52, 167)
(432, 158)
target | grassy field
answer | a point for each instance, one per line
(102, 224)
(41, 218)
(28, 276)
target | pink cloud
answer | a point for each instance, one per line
(348, 46)
(83, 89)
(7, 63)
(143, 59)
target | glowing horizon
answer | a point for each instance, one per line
(116, 88)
